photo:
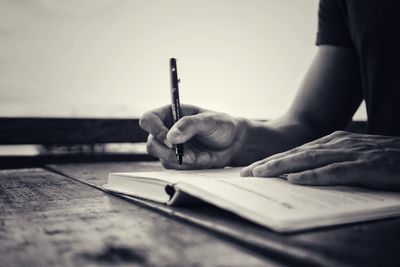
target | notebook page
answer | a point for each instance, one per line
(276, 200)
(173, 176)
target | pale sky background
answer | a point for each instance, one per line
(109, 58)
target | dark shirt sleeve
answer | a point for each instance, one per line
(333, 24)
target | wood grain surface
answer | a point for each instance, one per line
(50, 220)
(362, 244)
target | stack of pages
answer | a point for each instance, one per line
(271, 202)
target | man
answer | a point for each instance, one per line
(358, 58)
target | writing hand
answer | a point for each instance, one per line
(210, 138)
(336, 159)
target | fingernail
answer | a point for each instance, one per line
(245, 172)
(256, 171)
(168, 144)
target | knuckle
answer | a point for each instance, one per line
(293, 151)
(309, 156)
(338, 170)
(161, 135)
(220, 118)
(346, 140)
(337, 134)
(273, 164)
(213, 117)
(319, 146)
(312, 176)
(143, 121)
(231, 124)
(184, 123)
(150, 148)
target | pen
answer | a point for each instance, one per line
(176, 105)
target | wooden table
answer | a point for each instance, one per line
(57, 215)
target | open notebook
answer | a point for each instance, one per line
(271, 202)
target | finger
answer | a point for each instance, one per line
(154, 123)
(248, 171)
(189, 110)
(158, 121)
(199, 160)
(208, 159)
(165, 154)
(189, 126)
(326, 138)
(320, 143)
(212, 159)
(202, 161)
(305, 160)
(342, 173)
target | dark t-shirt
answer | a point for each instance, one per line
(372, 28)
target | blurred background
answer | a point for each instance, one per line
(109, 58)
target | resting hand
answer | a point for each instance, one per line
(339, 158)
(210, 138)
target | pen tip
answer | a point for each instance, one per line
(180, 160)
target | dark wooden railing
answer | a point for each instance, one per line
(69, 140)
(73, 140)
(50, 131)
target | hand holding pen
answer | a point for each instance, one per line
(212, 139)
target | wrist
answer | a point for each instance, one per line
(256, 140)
(239, 144)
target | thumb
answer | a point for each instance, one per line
(189, 126)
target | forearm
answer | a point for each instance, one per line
(257, 140)
(332, 78)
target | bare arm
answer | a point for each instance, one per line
(326, 101)
(328, 97)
